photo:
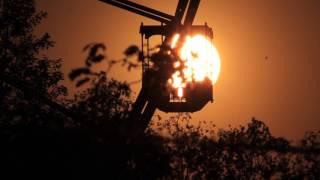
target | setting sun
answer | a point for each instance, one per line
(199, 60)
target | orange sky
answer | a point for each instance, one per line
(282, 90)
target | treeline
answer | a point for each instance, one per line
(43, 133)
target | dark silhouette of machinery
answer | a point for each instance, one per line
(154, 94)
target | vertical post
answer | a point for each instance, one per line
(191, 12)
(161, 34)
(142, 51)
(148, 57)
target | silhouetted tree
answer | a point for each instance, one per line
(27, 77)
(249, 152)
(107, 104)
(30, 114)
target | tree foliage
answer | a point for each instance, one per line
(25, 73)
(247, 152)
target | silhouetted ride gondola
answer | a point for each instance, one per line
(158, 67)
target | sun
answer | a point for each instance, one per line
(199, 59)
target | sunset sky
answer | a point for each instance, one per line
(269, 49)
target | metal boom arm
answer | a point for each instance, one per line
(141, 10)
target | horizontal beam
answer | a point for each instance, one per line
(147, 9)
(151, 30)
(141, 10)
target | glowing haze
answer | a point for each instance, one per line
(269, 51)
(199, 59)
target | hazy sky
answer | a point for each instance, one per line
(283, 90)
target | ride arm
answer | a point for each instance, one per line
(141, 10)
(191, 12)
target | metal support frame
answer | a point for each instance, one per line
(144, 108)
